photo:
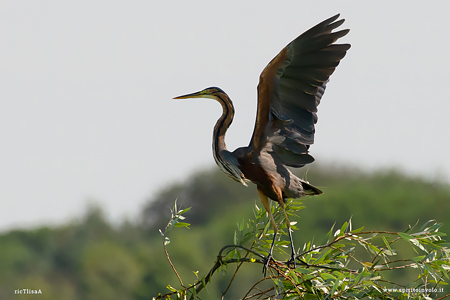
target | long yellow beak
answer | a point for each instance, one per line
(193, 95)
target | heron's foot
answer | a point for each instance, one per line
(291, 261)
(266, 263)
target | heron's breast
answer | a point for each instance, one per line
(260, 176)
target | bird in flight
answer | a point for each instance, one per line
(290, 88)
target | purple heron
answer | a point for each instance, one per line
(290, 89)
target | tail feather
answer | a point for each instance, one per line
(310, 189)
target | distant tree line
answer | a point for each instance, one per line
(90, 258)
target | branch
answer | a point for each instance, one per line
(242, 247)
(254, 287)
(165, 242)
(217, 265)
(448, 295)
(173, 267)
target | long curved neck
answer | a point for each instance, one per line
(225, 159)
(221, 126)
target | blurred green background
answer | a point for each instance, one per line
(91, 258)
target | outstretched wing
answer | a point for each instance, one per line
(290, 89)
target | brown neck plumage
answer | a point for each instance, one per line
(220, 129)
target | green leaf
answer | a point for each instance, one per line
(296, 208)
(327, 276)
(418, 258)
(278, 283)
(238, 255)
(343, 228)
(430, 256)
(328, 236)
(388, 246)
(418, 244)
(204, 283)
(374, 249)
(184, 210)
(172, 224)
(307, 246)
(405, 236)
(241, 226)
(438, 282)
(432, 272)
(294, 276)
(266, 228)
(305, 271)
(360, 275)
(323, 256)
(435, 227)
(336, 283)
(182, 224)
(348, 251)
(425, 225)
(371, 236)
(175, 206)
(357, 230)
(374, 265)
(170, 288)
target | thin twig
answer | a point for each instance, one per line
(254, 287)
(395, 261)
(288, 278)
(448, 295)
(399, 267)
(393, 283)
(217, 265)
(234, 276)
(260, 294)
(249, 250)
(242, 247)
(240, 264)
(173, 267)
(167, 253)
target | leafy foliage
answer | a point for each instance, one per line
(334, 270)
(91, 257)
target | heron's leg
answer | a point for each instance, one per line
(266, 204)
(288, 224)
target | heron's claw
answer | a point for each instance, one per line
(266, 264)
(291, 261)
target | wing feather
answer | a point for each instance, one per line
(290, 89)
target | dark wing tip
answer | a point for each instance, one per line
(293, 83)
(323, 28)
(330, 20)
(341, 33)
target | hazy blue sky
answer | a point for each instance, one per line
(86, 88)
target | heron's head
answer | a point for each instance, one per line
(211, 92)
